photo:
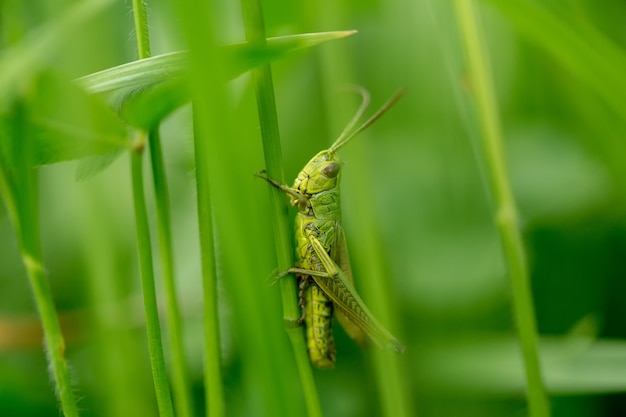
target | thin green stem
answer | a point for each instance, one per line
(206, 94)
(179, 364)
(179, 367)
(505, 210)
(266, 104)
(54, 342)
(153, 327)
(18, 186)
(373, 282)
(214, 390)
(142, 33)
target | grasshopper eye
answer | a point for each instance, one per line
(331, 170)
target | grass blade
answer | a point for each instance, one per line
(266, 105)
(153, 327)
(18, 186)
(179, 364)
(505, 209)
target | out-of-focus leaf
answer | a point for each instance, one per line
(150, 89)
(579, 47)
(90, 166)
(21, 63)
(65, 123)
(71, 124)
(494, 366)
(145, 108)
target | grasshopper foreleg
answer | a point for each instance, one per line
(296, 198)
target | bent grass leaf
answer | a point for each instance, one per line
(148, 90)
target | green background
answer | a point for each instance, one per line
(559, 74)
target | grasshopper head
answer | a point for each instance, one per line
(320, 174)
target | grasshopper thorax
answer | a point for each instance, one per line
(321, 173)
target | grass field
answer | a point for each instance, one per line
(485, 213)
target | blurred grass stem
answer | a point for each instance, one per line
(179, 364)
(266, 104)
(19, 189)
(153, 328)
(206, 92)
(506, 211)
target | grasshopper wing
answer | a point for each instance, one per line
(339, 253)
(341, 291)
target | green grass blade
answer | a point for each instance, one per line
(239, 58)
(266, 105)
(142, 34)
(375, 285)
(207, 127)
(153, 327)
(136, 74)
(179, 367)
(505, 209)
(360, 219)
(179, 364)
(19, 188)
(152, 88)
(373, 282)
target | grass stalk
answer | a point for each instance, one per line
(54, 342)
(214, 390)
(20, 195)
(179, 368)
(179, 364)
(153, 328)
(336, 70)
(266, 104)
(375, 285)
(505, 210)
(142, 34)
(206, 90)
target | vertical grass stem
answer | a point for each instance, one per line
(18, 186)
(505, 211)
(153, 328)
(266, 104)
(179, 364)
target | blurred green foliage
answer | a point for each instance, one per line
(559, 70)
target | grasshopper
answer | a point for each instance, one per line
(326, 286)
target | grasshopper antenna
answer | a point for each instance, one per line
(365, 102)
(346, 137)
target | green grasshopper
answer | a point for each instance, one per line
(323, 267)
